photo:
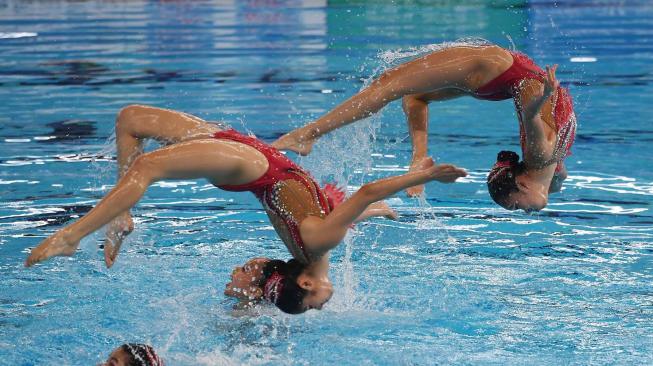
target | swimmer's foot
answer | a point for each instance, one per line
(289, 142)
(58, 244)
(444, 173)
(416, 165)
(117, 231)
(382, 209)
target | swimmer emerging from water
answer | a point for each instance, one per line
(302, 213)
(488, 72)
(133, 354)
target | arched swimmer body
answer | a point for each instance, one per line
(487, 72)
(298, 207)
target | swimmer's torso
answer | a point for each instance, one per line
(288, 203)
(288, 194)
(521, 81)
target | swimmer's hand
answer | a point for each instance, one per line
(378, 209)
(444, 173)
(550, 83)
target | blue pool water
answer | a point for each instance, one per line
(456, 280)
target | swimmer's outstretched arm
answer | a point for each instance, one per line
(322, 235)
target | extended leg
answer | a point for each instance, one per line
(135, 124)
(222, 162)
(461, 68)
(321, 235)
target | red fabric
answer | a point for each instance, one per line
(335, 195)
(500, 88)
(280, 168)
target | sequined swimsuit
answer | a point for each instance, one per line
(286, 191)
(508, 85)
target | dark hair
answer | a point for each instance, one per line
(141, 355)
(291, 297)
(501, 179)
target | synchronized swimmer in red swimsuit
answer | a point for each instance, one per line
(484, 71)
(309, 219)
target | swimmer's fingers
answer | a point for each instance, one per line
(551, 84)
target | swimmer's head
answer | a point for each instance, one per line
(291, 286)
(510, 188)
(245, 280)
(294, 287)
(133, 354)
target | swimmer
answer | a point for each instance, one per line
(487, 72)
(133, 354)
(309, 219)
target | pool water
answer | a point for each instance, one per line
(457, 280)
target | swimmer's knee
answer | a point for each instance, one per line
(386, 88)
(144, 169)
(411, 101)
(384, 81)
(126, 116)
(130, 111)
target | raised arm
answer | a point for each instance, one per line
(534, 98)
(321, 235)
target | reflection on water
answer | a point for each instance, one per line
(455, 280)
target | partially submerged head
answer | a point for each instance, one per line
(511, 188)
(133, 354)
(292, 286)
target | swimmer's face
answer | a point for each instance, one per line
(530, 196)
(319, 287)
(117, 358)
(244, 280)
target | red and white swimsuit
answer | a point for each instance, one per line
(508, 85)
(268, 189)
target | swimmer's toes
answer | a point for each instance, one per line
(392, 215)
(108, 259)
(112, 248)
(305, 148)
(415, 191)
(55, 245)
(290, 144)
(113, 243)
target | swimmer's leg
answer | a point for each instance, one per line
(221, 162)
(377, 209)
(464, 68)
(417, 116)
(134, 125)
